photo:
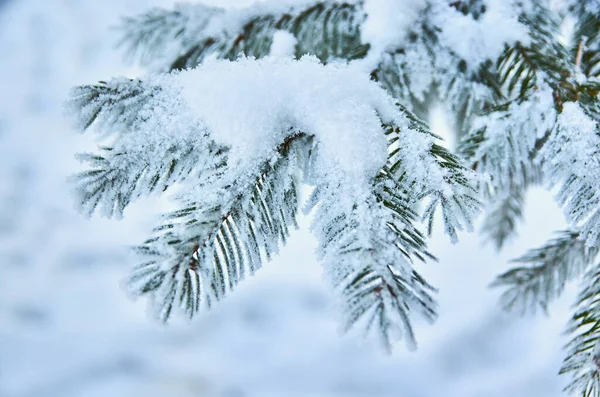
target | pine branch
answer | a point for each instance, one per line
(388, 301)
(505, 144)
(384, 289)
(507, 154)
(500, 223)
(376, 242)
(202, 251)
(571, 162)
(504, 139)
(583, 351)
(426, 70)
(116, 178)
(155, 33)
(519, 67)
(548, 270)
(112, 104)
(534, 127)
(240, 198)
(506, 205)
(423, 71)
(326, 29)
(119, 174)
(451, 186)
(469, 100)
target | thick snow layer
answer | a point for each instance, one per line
(284, 44)
(250, 105)
(388, 22)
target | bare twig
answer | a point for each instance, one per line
(579, 52)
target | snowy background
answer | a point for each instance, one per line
(67, 328)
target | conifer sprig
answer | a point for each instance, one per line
(547, 271)
(237, 210)
(326, 29)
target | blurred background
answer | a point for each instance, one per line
(68, 328)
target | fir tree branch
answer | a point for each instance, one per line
(423, 71)
(326, 29)
(382, 290)
(505, 145)
(506, 205)
(115, 178)
(512, 169)
(240, 200)
(376, 242)
(500, 223)
(205, 249)
(518, 69)
(113, 104)
(154, 33)
(452, 187)
(508, 142)
(548, 270)
(119, 174)
(571, 161)
(583, 351)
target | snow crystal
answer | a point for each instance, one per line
(388, 22)
(284, 44)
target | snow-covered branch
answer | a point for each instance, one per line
(246, 134)
(189, 34)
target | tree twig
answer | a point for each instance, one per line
(579, 52)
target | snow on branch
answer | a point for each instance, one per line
(116, 177)
(572, 162)
(227, 227)
(116, 104)
(533, 80)
(372, 234)
(397, 40)
(450, 51)
(502, 141)
(442, 179)
(240, 137)
(189, 34)
(151, 146)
